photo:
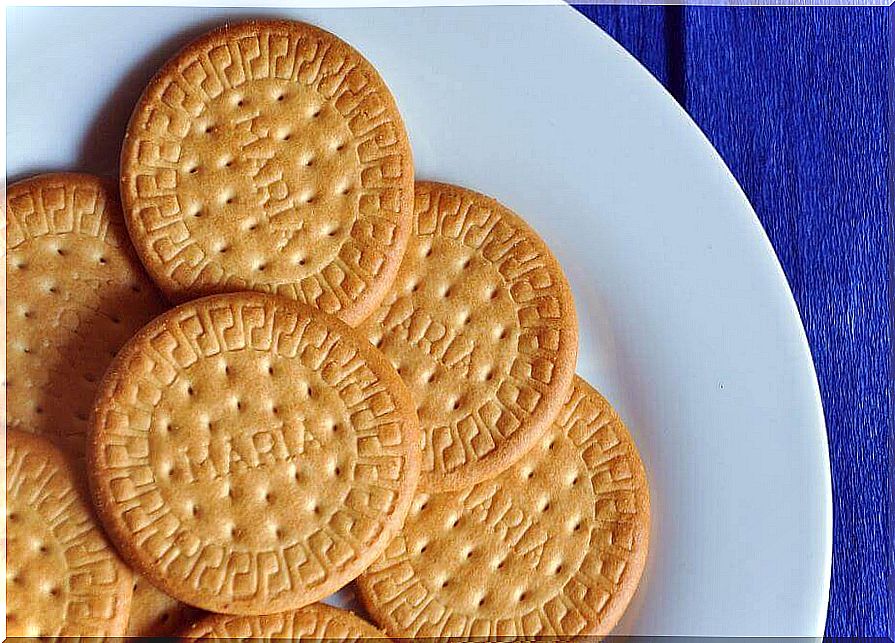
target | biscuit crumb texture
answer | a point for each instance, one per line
(62, 576)
(555, 546)
(270, 156)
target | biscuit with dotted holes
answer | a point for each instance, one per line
(316, 622)
(554, 546)
(154, 613)
(62, 576)
(481, 326)
(270, 156)
(250, 454)
(75, 293)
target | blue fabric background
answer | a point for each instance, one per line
(795, 100)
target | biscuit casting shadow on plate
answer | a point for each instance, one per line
(100, 147)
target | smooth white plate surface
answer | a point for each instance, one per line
(687, 323)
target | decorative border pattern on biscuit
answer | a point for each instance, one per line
(250, 454)
(62, 576)
(554, 546)
(270, 156)
(76, 293)
(318, 622)
(481, 325)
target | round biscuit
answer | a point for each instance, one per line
(63, 579)
(318, 622)
(270, 156)
(75, 294)
(481, 325)
(554, 546)
(250, 454)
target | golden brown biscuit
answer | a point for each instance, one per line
(75, 294)
(554, 546)
(154, 613)
(62, 576)
(316, 622)
(270, 155)
(250, 454)
(481, 326)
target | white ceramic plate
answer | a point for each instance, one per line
(687, 322)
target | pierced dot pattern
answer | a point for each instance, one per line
(549, 559)
(482, 322)
(305, 142)
(62, 577)
(83, 295)
(251, 471)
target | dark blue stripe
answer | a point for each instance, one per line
(796, 101)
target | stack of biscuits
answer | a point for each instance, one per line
(268, 364)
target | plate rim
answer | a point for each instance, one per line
(780, 276)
